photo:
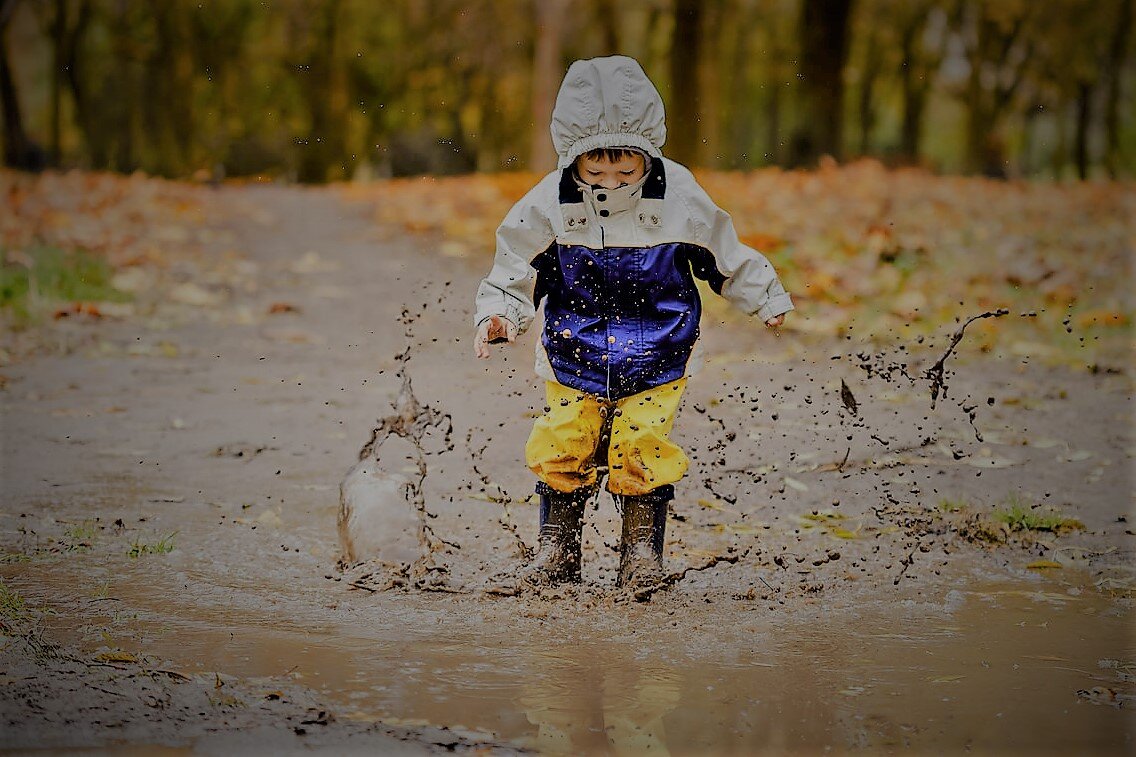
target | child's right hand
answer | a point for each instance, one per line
(493, 330)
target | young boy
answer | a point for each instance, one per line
(612, 242)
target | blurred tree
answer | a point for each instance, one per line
(685, 100)
(19, 150)
(824, 32)
(330, 89)
(607, 16)
(997, 53)
(547, 72)
(922, 43)
(1117, 64)
(314, 39)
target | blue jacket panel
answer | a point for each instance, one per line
(621, 320)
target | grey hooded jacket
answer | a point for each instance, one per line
(615, 269)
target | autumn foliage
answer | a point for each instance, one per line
(868, 252)
(878, 253)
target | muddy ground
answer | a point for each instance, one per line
(171, 574)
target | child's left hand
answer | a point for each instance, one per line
(775, 321)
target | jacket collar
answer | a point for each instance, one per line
(645, 197)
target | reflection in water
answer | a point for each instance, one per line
(994, 668)
(596, 703)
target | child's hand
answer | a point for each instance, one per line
(491, 331)
(775, 321)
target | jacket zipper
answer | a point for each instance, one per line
(607, 294)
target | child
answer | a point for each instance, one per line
(612, 242)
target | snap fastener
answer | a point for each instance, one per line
(605, 213)
(571, 221)
(654, 219)
(601, 197)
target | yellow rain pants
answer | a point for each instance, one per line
(561, 448)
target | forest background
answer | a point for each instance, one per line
(329, 90)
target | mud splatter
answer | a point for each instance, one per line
(417, 424)
(935, 374)
(885, 368)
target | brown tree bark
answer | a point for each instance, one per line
(324, 87)
(986, 103)
(868, 77)
(17, 146)
(824, 30)
(1118, 53)
(1081, 135)
(547, 72)
(683, 130)
(915, 72)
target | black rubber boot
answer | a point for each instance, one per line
(644, 531)
(557, 559)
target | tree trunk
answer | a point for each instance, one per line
(994, 45)
(58, 42)
(867, 95)
(824, 33)
(1117, 54)
(324, 90)
(914, 84)
(773, 151)
(607, 16)
(740, 116)
(683, 111)
(1081, 136)
(19, 152)
(547, 72)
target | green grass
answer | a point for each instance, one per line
(12, 605)
(162, 546)
(42, 276)
(1019, 516)
(79, 536)
(953, 505)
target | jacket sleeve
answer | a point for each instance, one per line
(508, 289)
(751, 283)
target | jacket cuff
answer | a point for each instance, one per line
(777, 305)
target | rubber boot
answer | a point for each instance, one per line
(557, 559)
(644, 531)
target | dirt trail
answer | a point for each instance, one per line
(874, 601)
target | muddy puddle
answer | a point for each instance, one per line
(1039, 667)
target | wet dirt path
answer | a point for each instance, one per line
(853, 620)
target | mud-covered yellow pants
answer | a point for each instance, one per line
(562, 446)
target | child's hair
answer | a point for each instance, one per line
(611, 154)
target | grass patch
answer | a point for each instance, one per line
(79, 536)
(40, 276)
(12, 605)
(953, 505)
(1019, 516)
(164, 545)
(1015, 517)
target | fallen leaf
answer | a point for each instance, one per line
(793, 483)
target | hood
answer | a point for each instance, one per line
(607, 102)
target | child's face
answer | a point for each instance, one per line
(611, 175)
